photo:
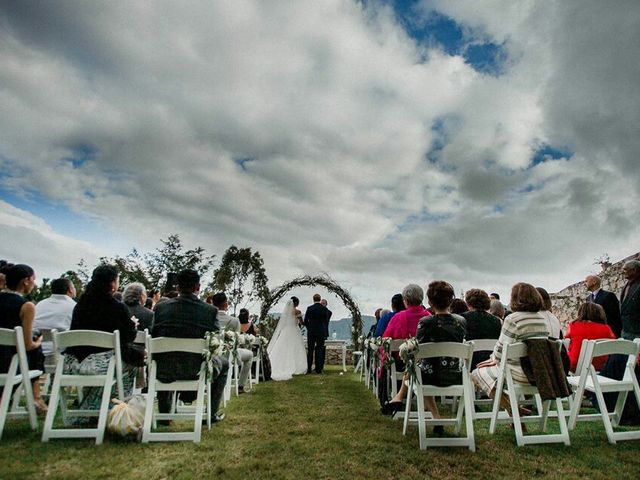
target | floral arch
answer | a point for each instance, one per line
(325, 281)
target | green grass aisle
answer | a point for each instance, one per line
(325, 427)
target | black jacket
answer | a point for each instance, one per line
(316, 319)
(183, 317)
(609, 302)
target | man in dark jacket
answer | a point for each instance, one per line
(607, 300)
(316, 319)
(187, 317)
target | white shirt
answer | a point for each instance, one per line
(228, 322)
(54, 312)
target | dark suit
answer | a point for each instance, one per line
(316, 319)
(186, 317)
(609, 302)
(630, 310)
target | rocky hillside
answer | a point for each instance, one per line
(567, 300)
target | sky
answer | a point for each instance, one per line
(384, 143)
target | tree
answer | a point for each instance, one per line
(241, 276)
(131, 268)
(172, 257)
(41, 292)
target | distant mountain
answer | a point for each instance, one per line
(342, 327)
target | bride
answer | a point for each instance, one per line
(286, 348)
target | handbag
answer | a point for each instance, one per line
(125, 419)
(134, 354)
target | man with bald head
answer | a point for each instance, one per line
(607, 300)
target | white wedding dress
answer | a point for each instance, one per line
(286, 348)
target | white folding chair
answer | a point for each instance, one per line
(165, 345)
(257, 370)
(588, 380)
(506, 384)
(482, 345)
(10, 379)
(394, 375)
(232, 379)
(463, 391)
(62, 381)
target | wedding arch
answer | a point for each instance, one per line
(325, 281)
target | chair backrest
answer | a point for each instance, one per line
(86, 338)
(620, 346)
(463, 351)
(15, 338)
(7, 337)
(171, 344)
(483, 344)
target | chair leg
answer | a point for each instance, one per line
(104, 410)
(54, 399)
(422, 427)
(564, 430)
(4, 404)
(605, 416)
(617, 412)
(468, 405)
(515, 415)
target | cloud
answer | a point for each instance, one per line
(29, 239)
(329, 138)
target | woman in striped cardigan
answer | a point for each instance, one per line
(525, 322)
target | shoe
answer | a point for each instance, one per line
(390, 408)
(164, 423)
(438, 430)
(241, 390)
(218, 417)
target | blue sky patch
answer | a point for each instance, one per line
(548, 152)
(242, 162)
(81, 154)
(65, 221)
(439, 31)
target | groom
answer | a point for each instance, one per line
(316, 319)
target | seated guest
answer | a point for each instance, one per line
(591, 324)
(228, 322)
(97, 309)
(187, 317)
(15, 311)
(245, 325)
(404, 324)
(56, 311)
(397, 305)
(553, 324)
(134, 297)
(496, 308)
(442, 326)
(525, 322)
(480, 323)
(458, 306)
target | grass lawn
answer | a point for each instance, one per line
(313, 426)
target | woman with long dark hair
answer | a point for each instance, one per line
(98, 310)
(15, 311)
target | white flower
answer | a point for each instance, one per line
(135, 320)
